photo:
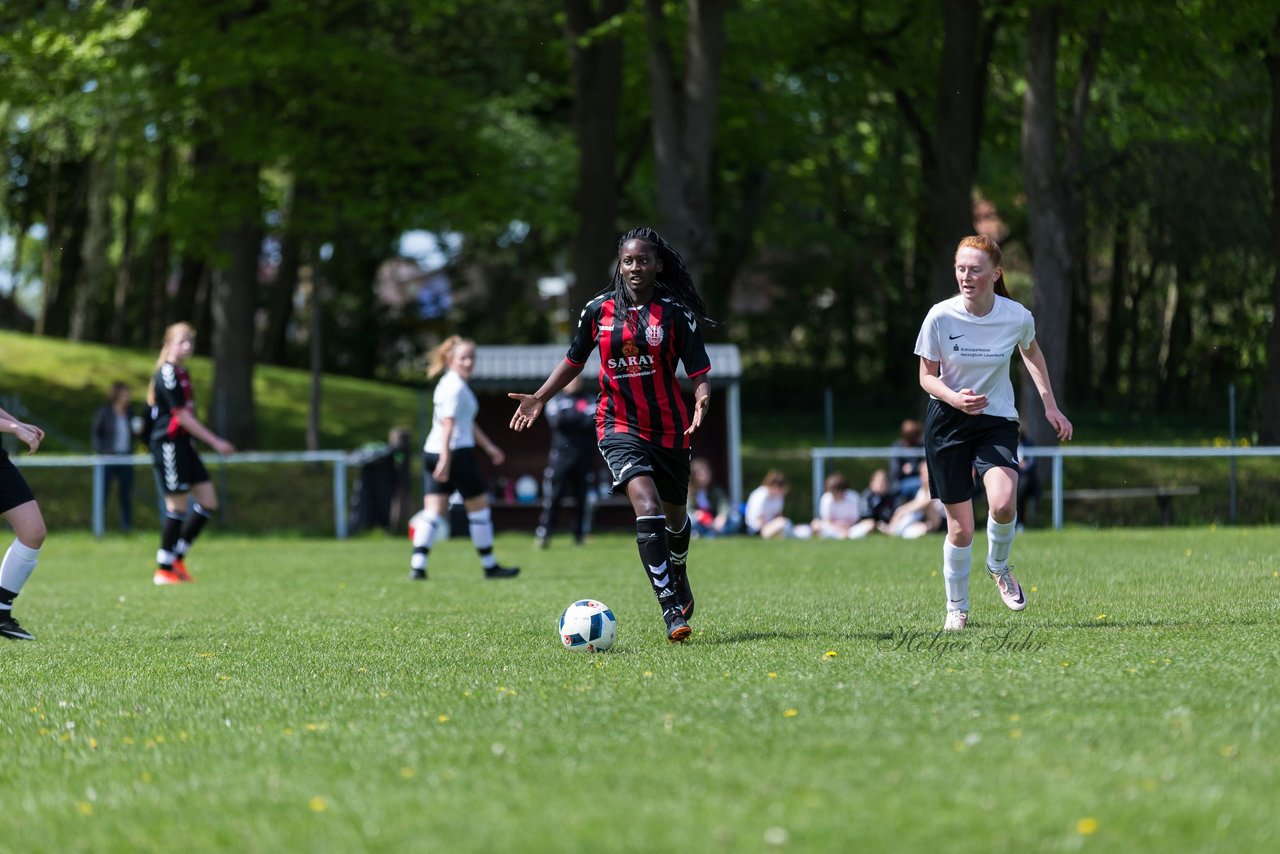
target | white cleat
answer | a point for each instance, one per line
(1010, 589)
(956, 620)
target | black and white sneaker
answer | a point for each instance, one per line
(9, 628)
(678, 630)
(417, 575)
(501, 571)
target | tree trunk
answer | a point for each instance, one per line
(275, 339)
(316, 350)
(68, 243)
(1269, 428)
(684, 117)
(1116, 325)
(704, 57)
(1046, 216)
(159, 249)
(1081, 344)
(955, 146)
(92, 283)
(233, 302)
(122, 318)
(597, 87)
(49, 257)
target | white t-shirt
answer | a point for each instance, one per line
(842, 509)
(762, 506)
(974, 352)
(454, 399)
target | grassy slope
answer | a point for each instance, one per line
(64, 382)
(305, 697)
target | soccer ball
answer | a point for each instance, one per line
(588, 626)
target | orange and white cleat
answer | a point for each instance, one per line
(165, 576)
(180, 570)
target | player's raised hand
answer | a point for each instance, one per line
(527, 412)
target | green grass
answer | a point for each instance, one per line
(303, 696)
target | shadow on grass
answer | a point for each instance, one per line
(725, 638)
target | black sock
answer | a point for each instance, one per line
(678, 542)
(651, 539)
(169, 533)
(191, 527)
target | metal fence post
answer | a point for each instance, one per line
(99, 498)
(1057, 489)
(340, 497)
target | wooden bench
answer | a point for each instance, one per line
(1163, 495)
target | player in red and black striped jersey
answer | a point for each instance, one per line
(644, 325)
(173, 414)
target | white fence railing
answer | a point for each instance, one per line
(340, 460)
(1056, 455)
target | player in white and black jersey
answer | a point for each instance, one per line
(190, 498)
(18, 506)
(965, 346)
(449, 460)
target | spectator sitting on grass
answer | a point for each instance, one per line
(838, 509)
(764, 508)
(877, 505)
(922, 515)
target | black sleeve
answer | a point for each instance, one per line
(693, 352)
(584, 337)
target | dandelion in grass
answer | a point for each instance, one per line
(1015, 733)
(1229, 751)
(442, 719)
(1100, 617)
(831, 653)
(407, 773)
(1015, 717)
(773, 675)
(84, 807)
(1086, 826)
(790, 713)
(318, 804)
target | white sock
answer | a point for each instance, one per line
(481, 525)
(423, 536)
(955, 572)
(999, 541)
(16, 568)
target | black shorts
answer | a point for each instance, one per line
(955, 444)
(14, 491)
(629, 456)
(177, 464)
(464, 475)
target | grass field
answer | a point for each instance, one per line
(304, 696)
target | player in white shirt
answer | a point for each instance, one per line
(449, 460)
(965, 346)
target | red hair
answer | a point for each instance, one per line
(992, 249)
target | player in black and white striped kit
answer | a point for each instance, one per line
(190, 498)
(965, 347)
(19, 508)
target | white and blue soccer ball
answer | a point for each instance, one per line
(588, 626)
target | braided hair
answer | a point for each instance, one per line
(674, 278)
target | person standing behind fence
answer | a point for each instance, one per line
(644, 324)
(965, 347)
(449, 461)
(189, 496)
(571, 465)
(18, 506)
(115, 428)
